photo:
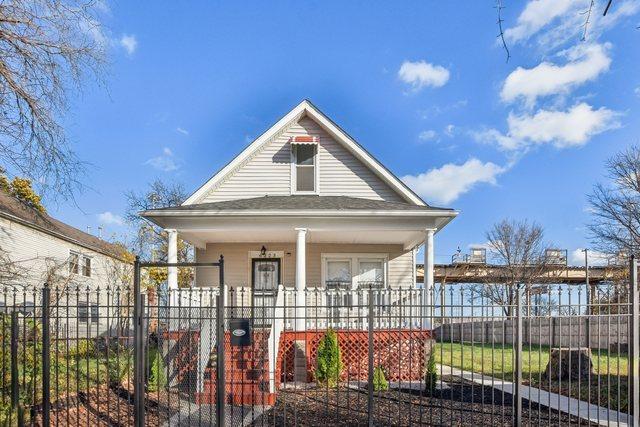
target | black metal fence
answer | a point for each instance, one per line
(367, 355)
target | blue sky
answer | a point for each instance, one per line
(424, 86)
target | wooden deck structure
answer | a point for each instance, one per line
(487, 273)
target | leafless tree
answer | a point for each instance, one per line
(151, 241)
(615, 206)
(47, 48)
(518, 248)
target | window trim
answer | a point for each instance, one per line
(294, 168)
(82, 267)
(73, 253)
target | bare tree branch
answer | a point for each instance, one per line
(499, 8)
(47, 47)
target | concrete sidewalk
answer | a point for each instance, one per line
(579, 408)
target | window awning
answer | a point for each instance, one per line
(304, 140)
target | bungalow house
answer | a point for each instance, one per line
(303, 207)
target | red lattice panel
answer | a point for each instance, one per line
(400, 352)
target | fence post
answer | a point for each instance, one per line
(15, 391)
(46, 356)
(517, 414)
(370, 361)
(138, 372)
(220, 338)
(634, 344)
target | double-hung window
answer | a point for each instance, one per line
(79, 264)
(304, 168)
(74, 262)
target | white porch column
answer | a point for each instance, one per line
(427, 291)
(301, 278)
(172, 256)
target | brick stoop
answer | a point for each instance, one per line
(246, 373)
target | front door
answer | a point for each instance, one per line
(265, 277)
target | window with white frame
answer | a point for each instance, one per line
(86, 266)
(74, 262)
(304, 168)
(345, 274)
(79, 264)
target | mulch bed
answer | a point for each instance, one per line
(107, 406)
(461, 405)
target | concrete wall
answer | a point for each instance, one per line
(571, 331)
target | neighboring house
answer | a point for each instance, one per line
(81, 269)
(305, 205)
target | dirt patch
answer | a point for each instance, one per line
(462, 404)
(105, 406)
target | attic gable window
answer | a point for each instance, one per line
(304, 151)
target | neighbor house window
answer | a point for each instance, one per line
(304, 159)
(74, 263)
(88, 311)
(86, 266)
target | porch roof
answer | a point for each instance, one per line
(298, 202)
(329, 219)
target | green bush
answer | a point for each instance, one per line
(157, 371)
(431, 376)
(380, 382)
(83, 349)
(118, 366)
(329, 360)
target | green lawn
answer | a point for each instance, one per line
(608, 379)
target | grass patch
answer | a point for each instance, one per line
(608, 378)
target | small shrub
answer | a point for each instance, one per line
(157, 371)
(83, 349)
(431, 376)
(118, 366)
(380, 382)
(329, 360)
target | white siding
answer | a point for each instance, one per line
(35, 252)
(268, 171)
(237, 264)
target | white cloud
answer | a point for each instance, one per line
(637, 91)
(576, 257)
(110, 218)
(562, 128)
(420, 74)
(449, 130)
(574, 127)
(428, 135)
(129, 43)
(447, 183)
(182, 131)
(165, 162)
(586, 63)
(536, 15)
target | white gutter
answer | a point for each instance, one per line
(297, 213)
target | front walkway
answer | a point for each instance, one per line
(579, 408)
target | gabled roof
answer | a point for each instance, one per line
(306, 108)
(15, 210)
(305, 203)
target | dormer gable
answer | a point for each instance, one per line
(304, 153)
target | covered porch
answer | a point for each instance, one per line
(338, 243)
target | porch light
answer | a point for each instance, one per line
(263, 251)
